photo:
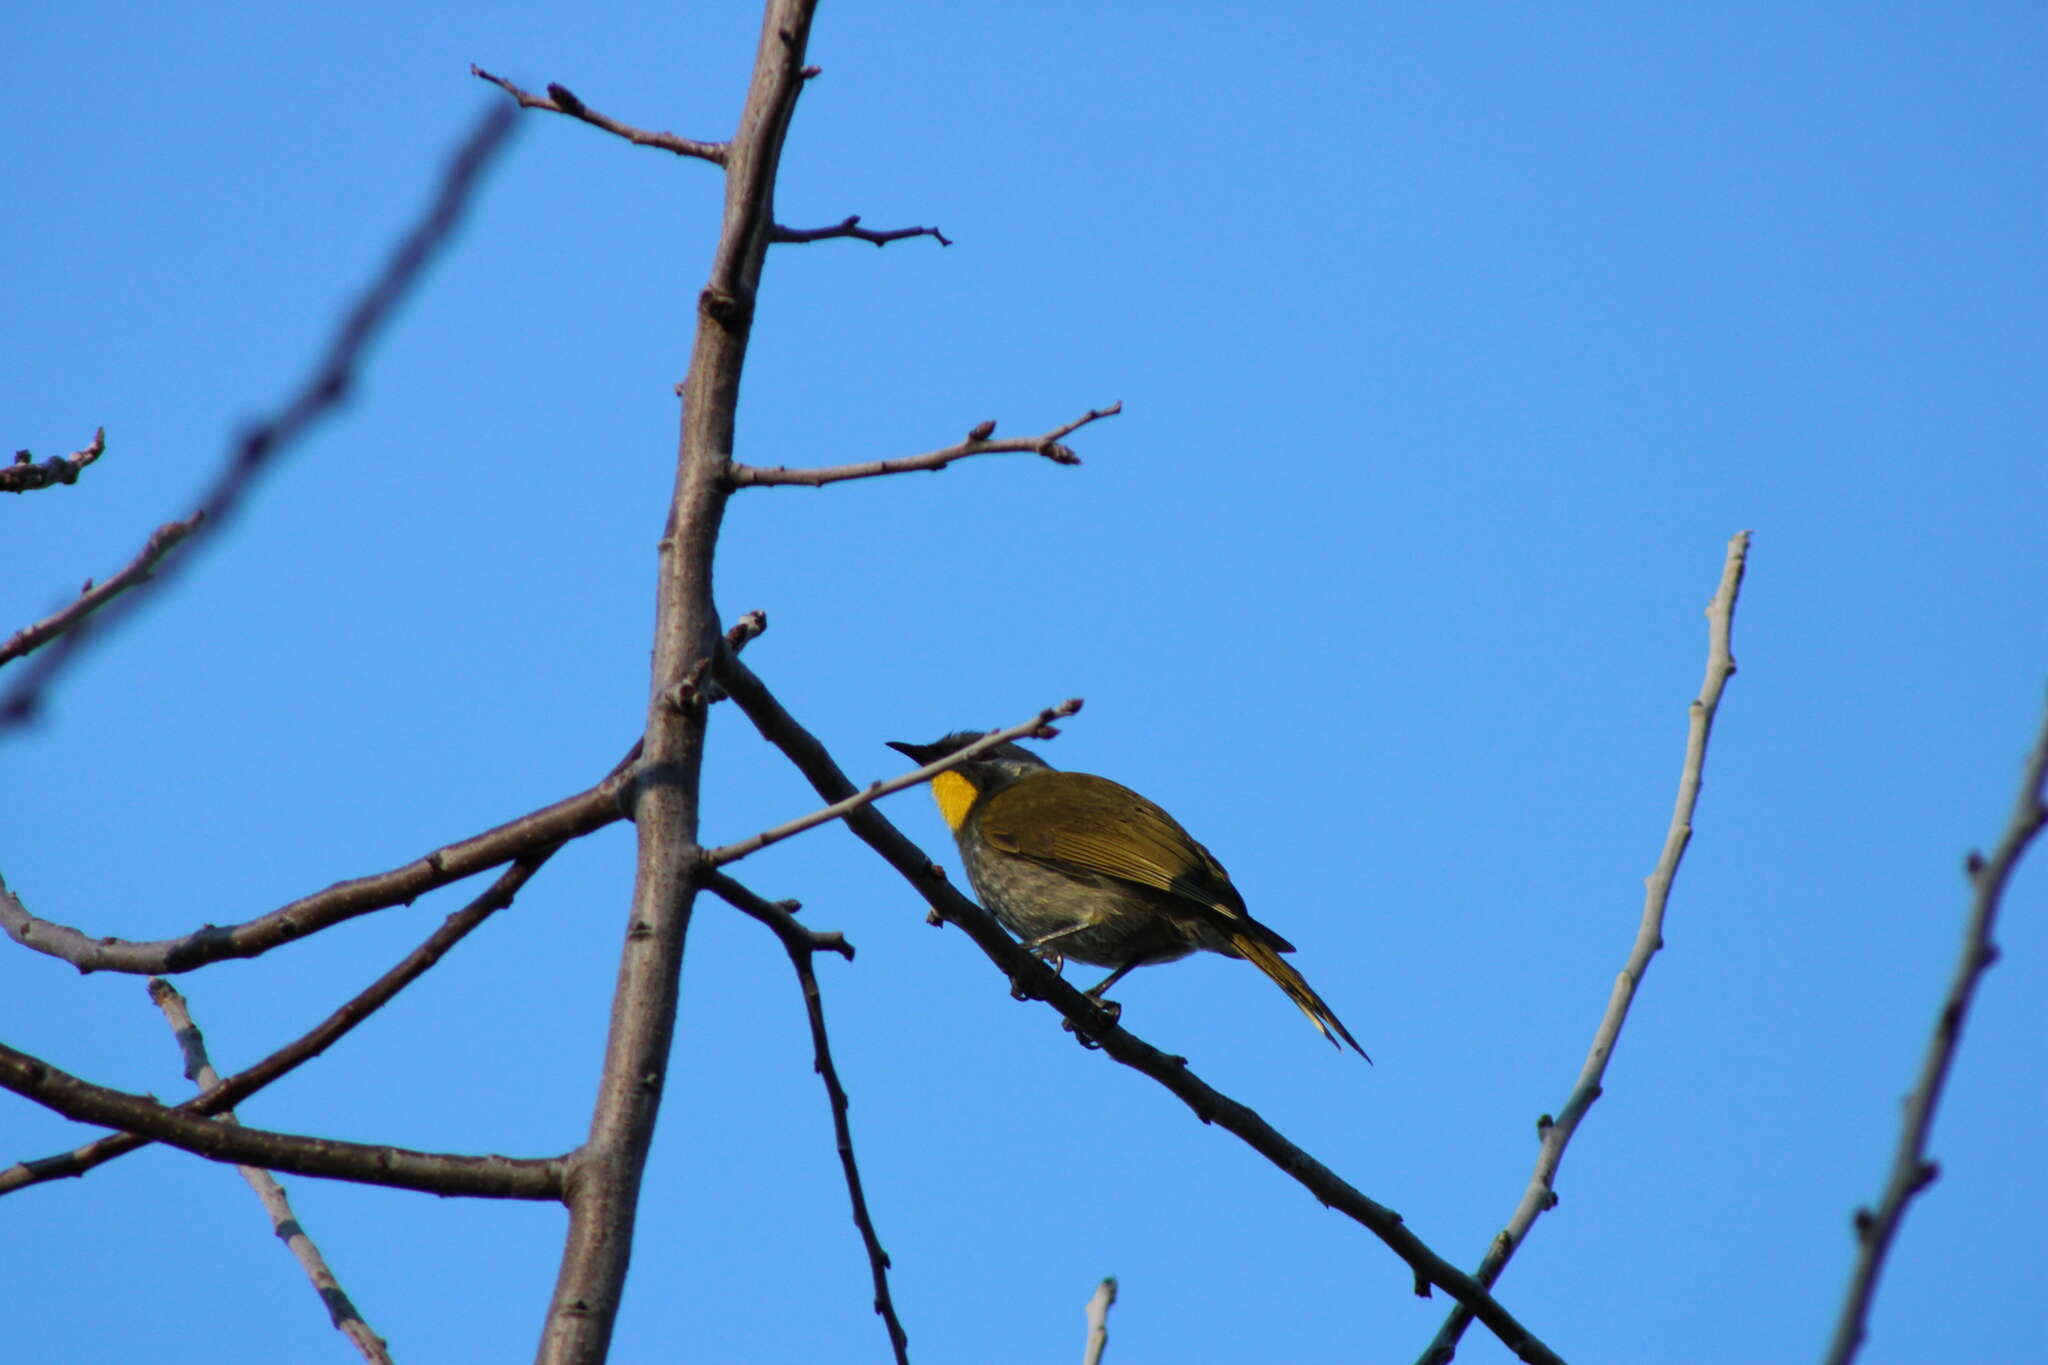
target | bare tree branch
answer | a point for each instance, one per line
(139, 570)
(1556, 1134)
(850, 227)
(1098, 1321)
(341, 1310)
(25, 474)
(322, 391)
(1039, 726)
(1094, 1024)
(977, 443)
(560, 100)
(546, 828)
(238, 1087)
(1912, 1172)
(802, 944)
(487, 1177)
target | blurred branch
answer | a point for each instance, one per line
(850, 227)
(1038, 727)
(487, 1177)
(322, 391)
(139, 570)
(1912, 1172)
(341, 1310)
(546, 828)
(1556, 1134)
(238, 1087)
(802, 944)
(25, 474)
(977, 443)
(560, 100)
(1093, 1024)
(1098, 1321)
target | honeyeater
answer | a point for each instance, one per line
(1078, 866)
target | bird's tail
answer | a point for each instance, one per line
(1263, 956)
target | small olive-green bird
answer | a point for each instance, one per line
(1079, 866)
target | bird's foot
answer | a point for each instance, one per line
(1051, 957)
(1111, 1012)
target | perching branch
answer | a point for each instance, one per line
(546, 828)
(139, 570)
(1912, 1172)
(560, 101)
(25, 474)
(1094, 1024)
(320, 394)
(341, 1310)
(802, 944)
(1555, 1134)
(850, 227)
(977, 443)
(241, 1085)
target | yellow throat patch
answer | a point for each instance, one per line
(954, 794)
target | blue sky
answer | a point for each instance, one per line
(1454, 343)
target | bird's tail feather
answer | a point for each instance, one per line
(1262, 956)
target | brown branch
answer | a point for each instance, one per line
(485, 1177)
(139, 570)
(546, 828)
(977, 443)
(322, 391)
(25, 474)
(1035, 979)
(1038, 727)
(560, 100)
(241, 1085)
(1556, 1134)
(850, 227)
(801, 944)
(341, 1310)
(1912, 1172)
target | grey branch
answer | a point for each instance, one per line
(1556, 1134)
(850, 227)
(341, 1310)
(1094, 1024)
(1098, 1321)
(1048, 445)
(139, 570)
(1911, 1171)
(25, 474)
(559, 100)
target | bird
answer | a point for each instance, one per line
(1078, 866)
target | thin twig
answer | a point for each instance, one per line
(1038, 727)
(1096, 1025)
(1912, 1172)
(322, 1036)
(546, 828)
(1098, 1321)
(1556, 1134)
(139, 570)
(977, 443)
(25, 474)
(560, 100)
(802, 944)
(850, 227)
(322, 391)
(341, 1310)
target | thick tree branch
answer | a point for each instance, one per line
(560, 100)
(1912, 1172)
(977, 443)
(1096, 1025)
(802, 944)
(486, 1177)
(323, 390)
(850, 227)
(546, 828)
(139, 570)
(241, 1085)
(1556, 1134)
(341, 1310)
(25, 474)
(1099, 1304)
